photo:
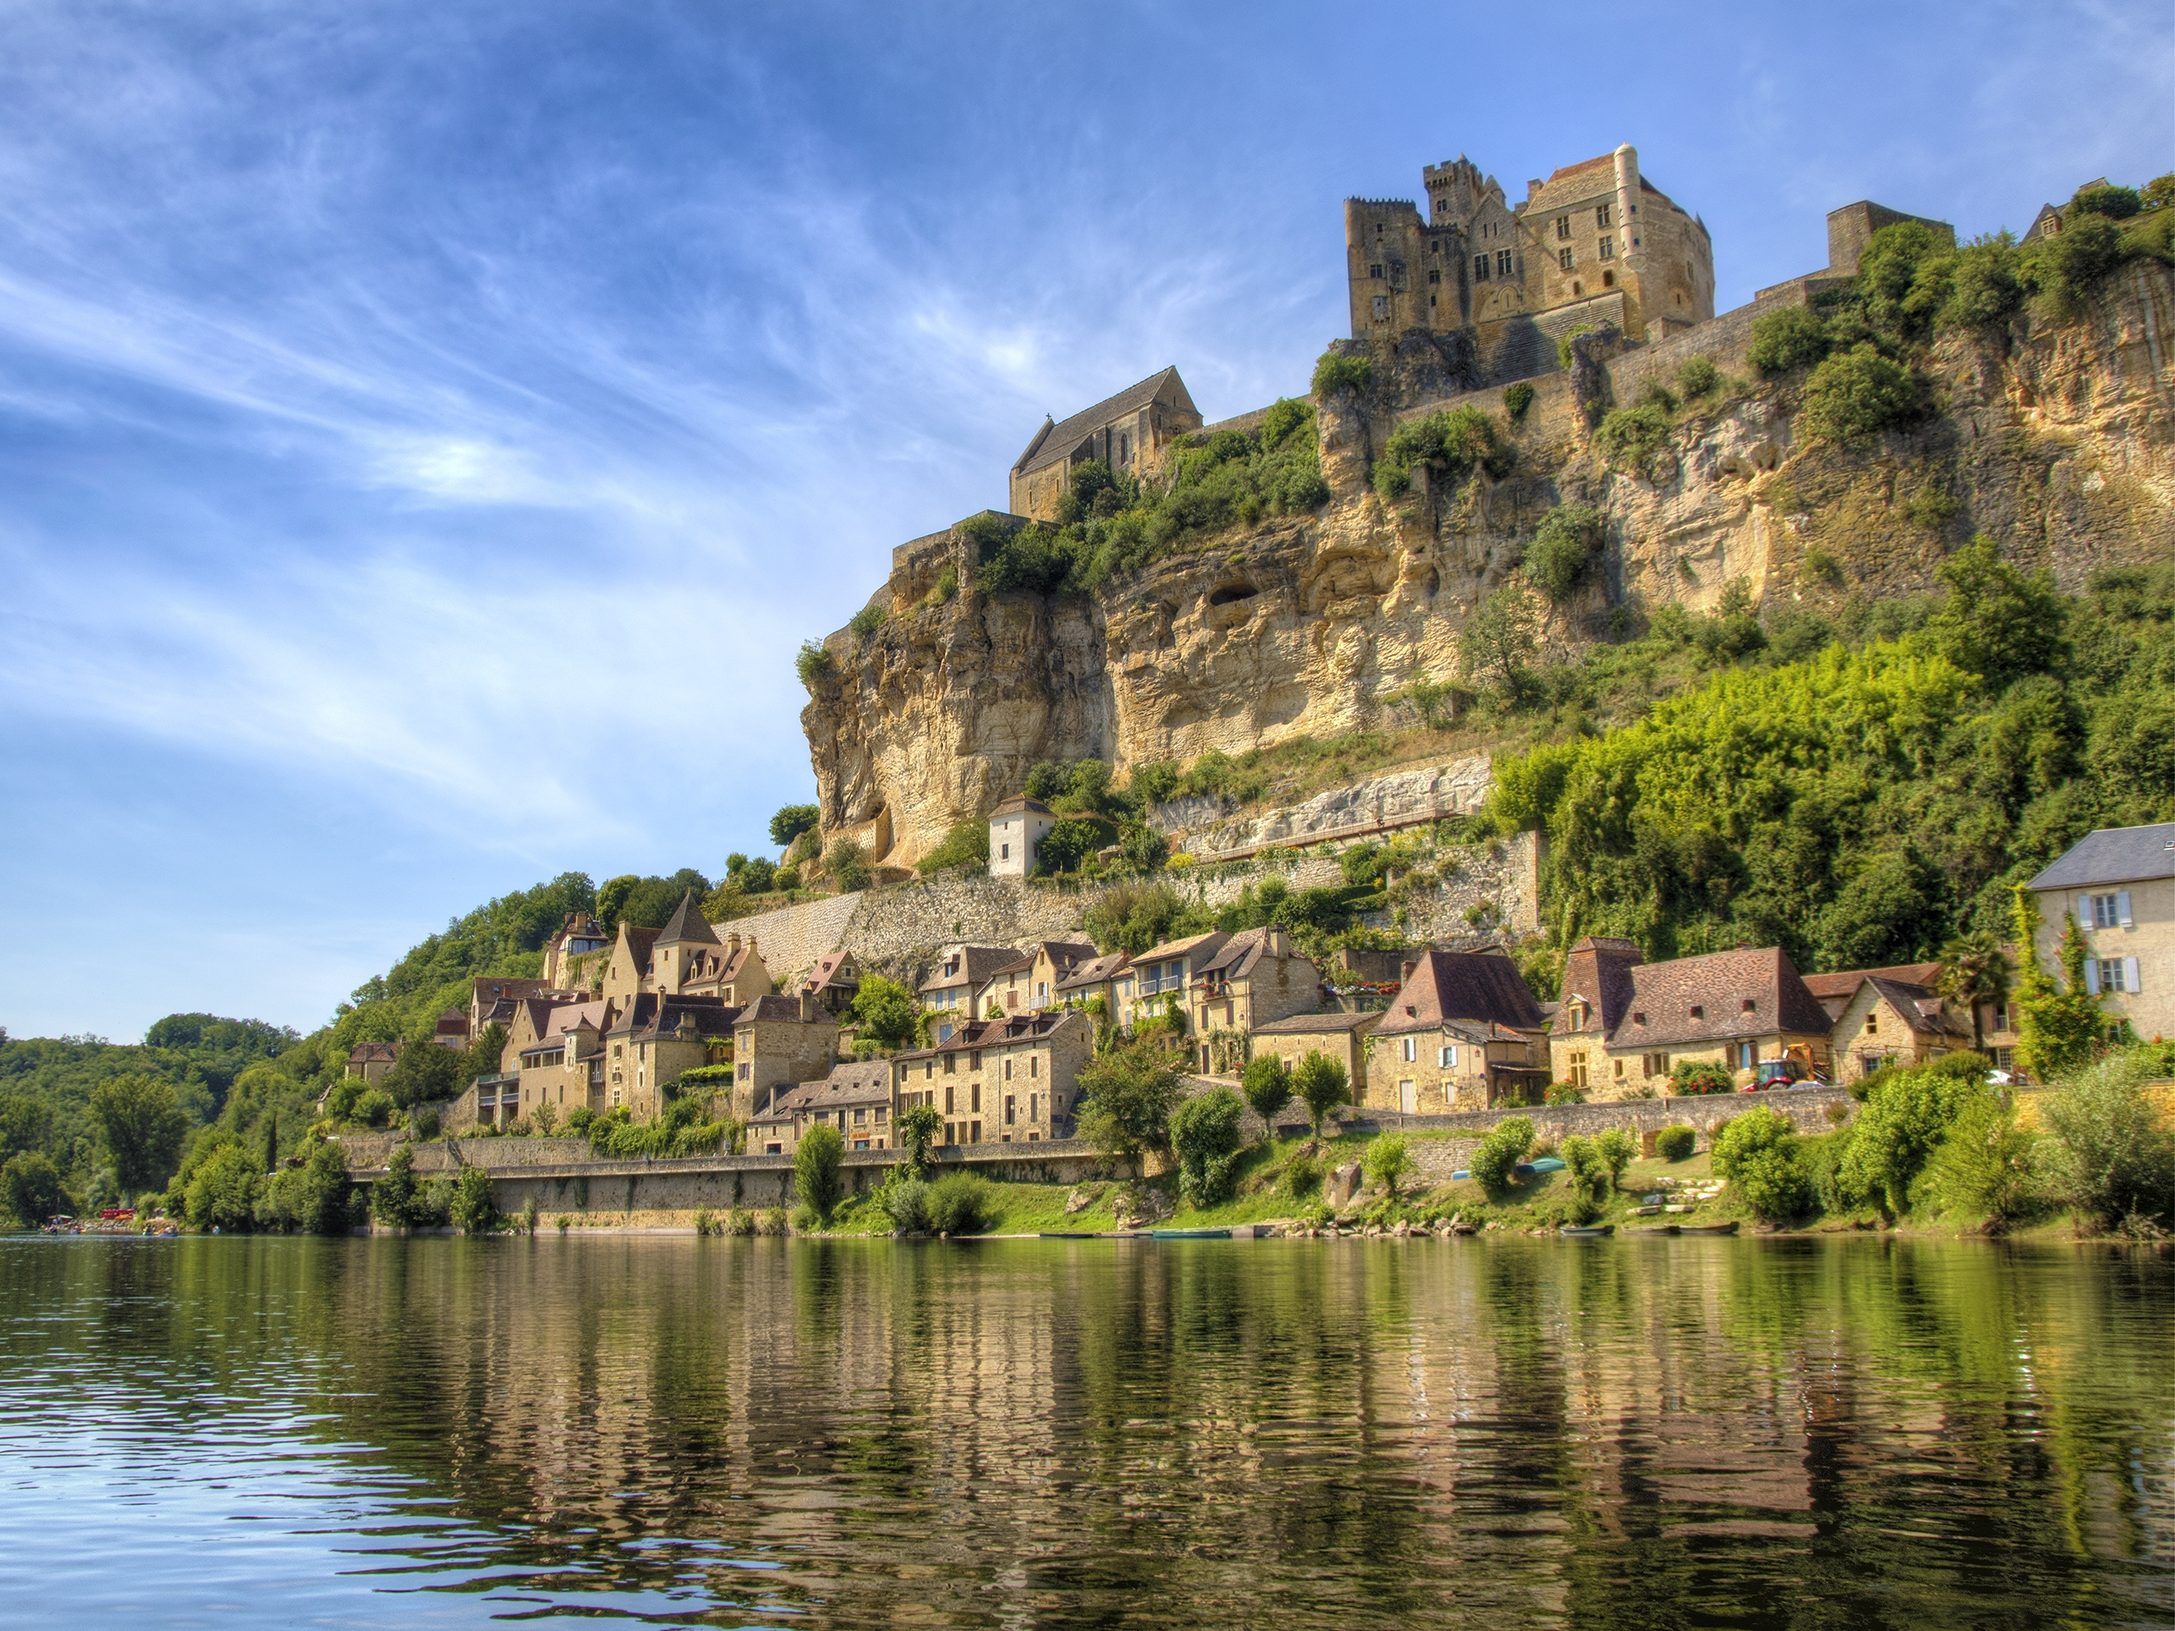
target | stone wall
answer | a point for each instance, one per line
(791, 938)
(1402, 798)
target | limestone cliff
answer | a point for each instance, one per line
(2058, 439)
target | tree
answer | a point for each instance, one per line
(1127, 1095)
(1387, 1161)
(1321, 1084)
(1266, 1081)
(1758, 1152)
(1586, 1169)
(2058, 1023)
(2116, 1161)
(916, 1131)
(1786, 340)
(222, 1192)
(818, 1180)
(1903, 1122)
(1975, 971)
(1497, 644)
(1854, 395)
(1205, 1137)
(1618, 1149)
(25, 1124)
(1995, 621)
(846, 864)
(475, 1209)
(1068, 844)
(1564, 549)
(887, 1014)
(1500, 1150)
(791, 821)
(964, 848)
(392, 1197)
(141, 1123)
(482, 1057)
(30, 1186)
(424, 1073)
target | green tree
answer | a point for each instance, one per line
(1759, 1153)
(1564, 549)
(1984, 1168)
(424, 1073)
(791, 821)
(1786, 340)
(30, 1185)
(392, 1197)
(1854, 395)
(475, 1209)
(818, 1170)
(1388, 1159)
(1995, 621)
(141, 1124)
(1205, 1137)
(917, 1130)
(965, 848)
(845, 863)
(1321, 1085)
(222, 1192)
(1589, 1184)
(1069, 844)
(1975, 971)
(1500, 1150)
(25, 1124)
(1127, 1095)
(2115, 1159)
(1266, 1081)
(1903, 1121)
(2058, 1022)
(887, 1014)
(1498, 642)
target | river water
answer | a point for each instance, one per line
(1619, 1434)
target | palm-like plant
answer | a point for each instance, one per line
(1975, 969)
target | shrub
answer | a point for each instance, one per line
(1589, 1184)
(1758, 1153)
(1854, 395)
(1698, 377)
(1516, 400)
(473, 1210)
(916, 1130)
(1786, 340)
(887, 1013)
(845, 863)
(1503, 1147)
(1617, 1148)
(392, 1197)
(1070, 843)
(865, 622)
(1302, 1174)
(2114, 1153)
(1984, 1168)
(1630, 438)
(1565, 546)
(1205, 1137)
(817, 1181)
(1452, 444)
(1342, 371)
(1904, 1120)
(1563, 1093)
(1676, 1143)
(707, 1222)
(964, 847)
(1266, 1081)
(960, 1204)
(1387, 1160)
(222, 1191)
(373, 1107)
(770, 1221)
(813, 664)
(1697, 1077)
(906, 1204)
(1321, 1085)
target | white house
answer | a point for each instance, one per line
(1015, 827)
(2119, 884)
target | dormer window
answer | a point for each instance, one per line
(1699, 1011)
(1750, 1006)
(1638, 1018)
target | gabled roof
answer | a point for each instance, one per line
(2113, 855)
(1317, 1024)
(832, 968)
(638, 942)
(1056, 441)
(1476, 987)
(1095, 971)
(976, 964)
(1920, 1008)
(687, 924)
(650, 1016)
(371, 1052)
(776, 1005)
(996, 1033)
(860, 1081)
(1718, 985)
(1206, 945)
(1845, 983)
(489, 988)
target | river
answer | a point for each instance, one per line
(1809, 1434)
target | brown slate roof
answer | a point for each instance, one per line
(651, 1016)
(1095, 971)
(1473, 986)
(862, 1081)
(828, 972)
(1718, 984)
(976, 964)
(367, 1053)
(1211, 941)
(996, 1033)
(1921, 1009)
(772, 1005)
(1018, 803)
(489, 988)
(1316, 1024)
(640, 941)
(1605, 963)
(1056, 441)
(687, 924)
(1845, 983)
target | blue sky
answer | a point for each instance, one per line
(427, 430)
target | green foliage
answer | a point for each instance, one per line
(865, 622)
(1205, 1137)
(393, 1197)
(1895, 1134)
(1760, 1154)
(681, 1130)
(1497, 645)
(1985, 1168)
(1451, 444)
(141, 1124)
(1618, 1149)
(1694, 1078)
(1631, 438)
(813, 664)
(1321, 1084)
(1338, 371)
(1128, 1093)
(845, 863)
(2058, 1021)
(1564, 549)
(1995, 621)
(424, 1073)
(916, 1132)
(1676, 1143)
(2115, 1152)
(964, 848)
(222, 1192)
(1070, 844)
(1387, 1160)
(474, 1211)
(1588, 1183)
(30, 1188)
(961, 1204)
(1266, 1082)
(906, 1204)
(373, 1107)
(887, 1014)
(1854, 395)
(2114, 202)
(1516, 400)
(1698, 377)
(1501, 1149)
(1787, 340)
(791, 821)
(1131, 917)
(316, 1197)
(818, 1179)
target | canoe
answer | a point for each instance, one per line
(1068, 1234)
(1189, 1234)
(1547, 1163)
(1728, 1228)
(1592, 1232)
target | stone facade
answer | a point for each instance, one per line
(1016, 827)
(1008, 1081)
(1128, 432)
(2119, 886)
(778, 1043)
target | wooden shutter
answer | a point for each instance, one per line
(2091, 975)
(2129, 975)
(2122, 908)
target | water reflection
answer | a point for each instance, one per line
(1629, 1434)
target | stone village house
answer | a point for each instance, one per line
(2119, 885)
(855, 1098)
(1030, 982)
(1128, 432)
(948, 990)
(1463, 1032)
(1000, 1081)
(1221, 987)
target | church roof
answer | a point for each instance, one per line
(687, 924)
(1055, 442)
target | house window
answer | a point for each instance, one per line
(1616, 1069)
(2106, 911)
(1449, 1056)
(1608, 247)
(1412, 1049)
(1004, 852)
(1375, 270)
(1565, 259)
(1748, 1055)
(1502, 263)
(1034, 1067)
(1654, 1064)
(2112, 975)
(1578, 1069)
(1601, 216)
(1480, 267)
(1608, 280)
(1008, 1067)
(1872, 1023)
(1434, 274)
(1563, 226)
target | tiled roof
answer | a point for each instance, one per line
(639, 942)
(976, 964)
(1207, 944)
(772, 1005)
(2113, 855)
(999, 1032)
(1478, 986)
(651, 1016)
(1920, 1008)
(1056, 441)
(1845, 984)
(827, 972)
(1095, 971)
(1018, 803)
(1316, 1024)
(1718, 986)
(687, 924)
(862, 1081)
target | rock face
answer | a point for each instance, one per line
(2059, 440)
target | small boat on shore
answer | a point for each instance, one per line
(1591, 1231)
(1189, 1234)
(1068, 1234)
(1728, 1228)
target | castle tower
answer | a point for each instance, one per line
(1632, 229)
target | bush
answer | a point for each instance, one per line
(1302, 1174)
(1205, 1136)
(1758, 1153)
(1984, 1169)
(1452, 444)
(473, 1210)
(813, 664)
(965, 847)
(960, 1204)
(392, 1197)
(1387, 1161)
(1786, 340)
(1903, 1122)
(1342, 371)
(865, 622)
(1588, 1182)
(1676, 1143)
(1069, 844)
(2114, 1154)
(1854, 395)
(1516, 400)
(1503, 1147)
(373, 1107)
(817, 1179)
(1266, 1082)
(1565, 546)
(1697, 378)
(916, 1132)
(1618, 1148)
(1697, 1077)
(845, 863)
(906, 1204)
